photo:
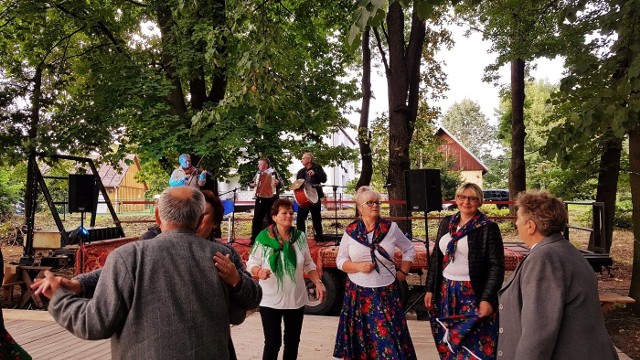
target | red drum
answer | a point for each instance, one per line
(306, 196)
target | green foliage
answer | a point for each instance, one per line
(10, 191)
(468, 124)
(498, 175)
(154, 175)
(599, 97)
(423, 151)
(623, 218)
(373, 12)
(517, 29)
(578, 179)
(254, 79)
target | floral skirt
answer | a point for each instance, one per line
(372, 325)
(457, 330)
(9, 349)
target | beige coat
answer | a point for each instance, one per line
(549, 309)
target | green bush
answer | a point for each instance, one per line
(9, 193)
(622, 218)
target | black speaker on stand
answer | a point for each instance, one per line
(82, 192)
(424, 190)
(83, 197)
(424, 193)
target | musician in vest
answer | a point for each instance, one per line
(267, 183)
(314, 174)
(187, 174)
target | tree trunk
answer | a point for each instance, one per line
(364, 136)
(175, 98)
(219, 77)
(608, 187)
(402, 80)
(517, 171)
(30, 195)
(634, 180)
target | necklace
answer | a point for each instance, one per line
(281, 239)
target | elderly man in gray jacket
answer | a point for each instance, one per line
(160, 299)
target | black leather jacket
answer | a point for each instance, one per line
(486, 263)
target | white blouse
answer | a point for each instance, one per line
(458, 269)
(351, 250)
(291, 294)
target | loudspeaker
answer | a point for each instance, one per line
(423, 189)
(82, 193)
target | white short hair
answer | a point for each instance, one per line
(181, 205)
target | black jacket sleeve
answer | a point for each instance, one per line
(434, 275)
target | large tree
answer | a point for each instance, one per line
(466, 121)
(402, 27)
(600, 97)
(520, 31)
(205, 68)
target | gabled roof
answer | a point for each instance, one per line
(465, 160)
(112, 178)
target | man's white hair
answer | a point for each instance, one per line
(181, 205)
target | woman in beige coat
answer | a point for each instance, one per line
(549, 309)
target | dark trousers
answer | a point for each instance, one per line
(261, 209)
(316, 219)
(271, 326)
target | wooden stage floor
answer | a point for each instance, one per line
(43, 338)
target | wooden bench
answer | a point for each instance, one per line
(608, 299)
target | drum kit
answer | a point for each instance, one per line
(305, 194)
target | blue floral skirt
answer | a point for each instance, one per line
(372, 325)
(457, 330)
(9, 349)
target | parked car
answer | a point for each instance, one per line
(496, 195)
(18, 208)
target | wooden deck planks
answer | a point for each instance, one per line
(44, 339)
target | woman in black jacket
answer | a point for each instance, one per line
(465, 273)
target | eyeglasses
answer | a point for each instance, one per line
(371, 203)
(472, 199)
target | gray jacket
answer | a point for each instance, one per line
(160, 299)
(550, 309)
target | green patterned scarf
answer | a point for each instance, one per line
(268, 239)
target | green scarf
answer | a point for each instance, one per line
(268, 239)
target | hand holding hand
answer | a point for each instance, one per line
(263, 274)
(227, 270)
(366, 267)
(428, 297)
(321, 291)
(48, 285)
(485, 309)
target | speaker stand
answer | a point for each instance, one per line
(426, 247)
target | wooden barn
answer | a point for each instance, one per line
(470, 167)
(122, 185)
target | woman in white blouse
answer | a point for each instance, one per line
(279, 258)
(372, 324)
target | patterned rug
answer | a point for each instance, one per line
(91, 256)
